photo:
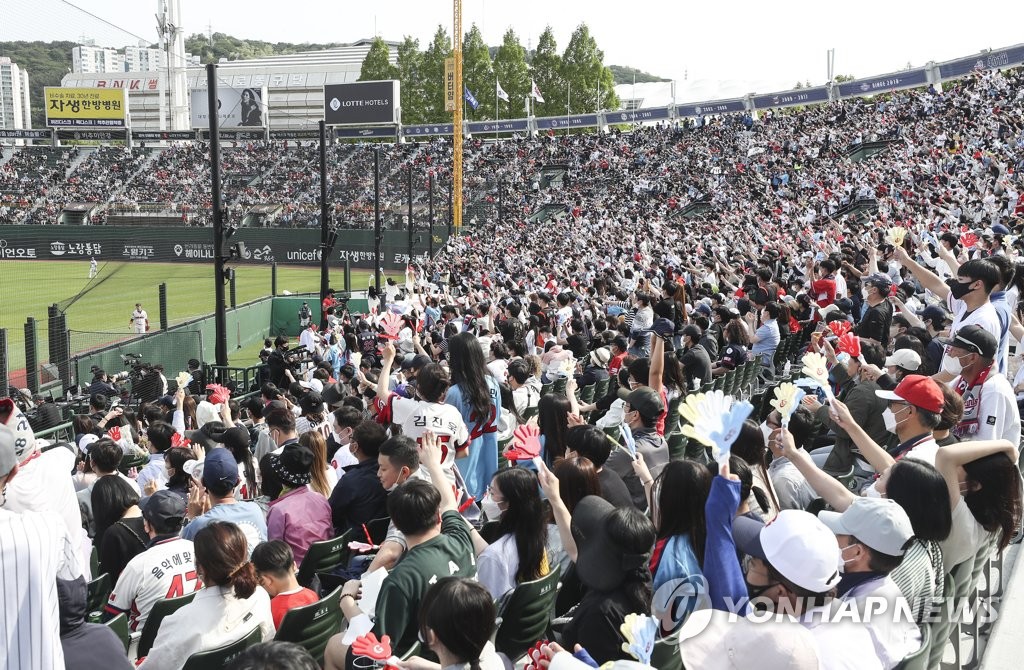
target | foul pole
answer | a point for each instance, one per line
(457, 119)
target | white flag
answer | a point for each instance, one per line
(501, 92)
(536, 92)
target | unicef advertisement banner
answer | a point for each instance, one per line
(361, 102)
(195, 245)
(713, 107)
(884, 83)
(348, 133)
(514, 126)
(991, 60)
(430, 129)
(637, 116)
(577, 121)
(803, 96)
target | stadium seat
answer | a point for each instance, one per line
(325, 556)
(940, 626)
(601, 388)
(119, 625)
(587, 394)
(665, 655)
(94, 563)
(559, 386)
(312, 625)
(216, 659)
(919, 659)
(525, 614)
(672, 417)
(378, 529)
(677, 447)
(546, 389)
(161, 610)
(99, 592)
(530, 412)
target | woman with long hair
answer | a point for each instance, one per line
(120, 534)
(751, 447)
(577, 479)
(188, 410)
(228, 607)
(178, 480)
(324, 476)
(678, 496)
(553, 422)
(457, 620)
(519, 555)
(736, 351)
(474, 392)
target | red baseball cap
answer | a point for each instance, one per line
(919, 391)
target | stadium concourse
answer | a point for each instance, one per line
(508, 419)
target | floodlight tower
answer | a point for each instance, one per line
(172, 41)
(457, 120)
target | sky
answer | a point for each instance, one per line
(746, 40)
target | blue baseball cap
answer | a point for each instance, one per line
(220, 469)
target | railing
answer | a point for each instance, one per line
(243, 379)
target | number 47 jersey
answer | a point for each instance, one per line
(165, 570)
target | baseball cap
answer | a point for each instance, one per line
(845, 305)
(935, 313)
(602, 565)
(600, 357)
(908, 359)
(1000, 229)
(333, 395)
(15, 420)
(880, 523)
(974, 339)
(220, 469)
(643, 399)
(883, 282)
(799, 546)
(163, 507)
(406, 363)
(311, 402)
(193, 469)
(85, 442)
(209, 435)
(8, 459)
(919, 391)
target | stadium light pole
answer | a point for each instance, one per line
(324, 223)
(376, 217)
(410, 222)
(219, 315)
(430, 217)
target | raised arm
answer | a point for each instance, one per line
(825, 485)
(949, 459)
(430, 458)
(549, 484)
(928, 279)
(657, 371)
(879, 458)
(387, 359)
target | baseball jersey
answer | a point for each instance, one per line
(165, 570)
(415, 417)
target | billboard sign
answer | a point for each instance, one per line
(713, 107)
(511, 126)
(449, 85)
(800, 96)
(25, 134)
(163, 135)
(428, 129)
(85, 107)
(367, 133)
(362, 102)
(637, 116)
(112, 135)
(575, 121)
(884, 83)
(238, 107)
(988, 60)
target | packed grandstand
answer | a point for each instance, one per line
(866, 250)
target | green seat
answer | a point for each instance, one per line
(588, 393)
(919, 659)
(559, 386)
(161, 610)
(99, 593)
(677, 446)
(119, 625)
(325, 557)
(719, 383)
(939, 627)
(530, 412)
(216, 659)
(546, 389)
(525, 614)
(94, 563)
(672, 417)
(601, 388)
(312, 625)
(665, 654)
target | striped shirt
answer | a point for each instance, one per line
(35, 550)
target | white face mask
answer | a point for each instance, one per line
(889, 418)
(491, 508)
(952, 365)
(766, 431)
(844, 561)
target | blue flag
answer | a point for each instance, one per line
(470, 99)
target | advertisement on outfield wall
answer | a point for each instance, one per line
(362, 102)
(164, 244)
(237, 107)
(85, 107)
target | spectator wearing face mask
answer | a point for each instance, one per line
(990, 407)
(360, 497)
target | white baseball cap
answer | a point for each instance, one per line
(799, 546)
(880, 523)
(908, 359)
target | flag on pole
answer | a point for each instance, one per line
(470, 99)
(502, 95)
(536, 92)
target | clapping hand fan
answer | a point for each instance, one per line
(115, 433)
(183, 379)
(219, 394)
(849, 344)
(368, 646)
(179, 440)
(968, 239)
(817, 372)
(896, 235)
(525, 443)
(840, 328)
(392, 323)
(787, 399)
(715, 420)
(640, 631)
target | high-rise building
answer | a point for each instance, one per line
(15, 111)
(90, 59)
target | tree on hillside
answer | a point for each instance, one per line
(414, 88)
(514, 75)
(433, 77)
(584, 71)
(376, 65)
(547, 72)
(46, 64)
(478, 75)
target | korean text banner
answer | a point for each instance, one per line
(238, 107)
(85, 107)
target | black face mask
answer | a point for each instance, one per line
(959, 289)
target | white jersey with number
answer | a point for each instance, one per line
(416, 417)
(165, 570)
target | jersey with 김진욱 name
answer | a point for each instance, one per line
(165, 570)
(416, 417)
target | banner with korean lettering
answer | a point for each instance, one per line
(513, 126)
(85, 107)
(368, 133)
(884, 83)
(25, 134)
(712, 107)
(575, 121)
(428, 129)
(638, 116)
(801, 96)
(989, 60)
(449, 85)
(163, 135)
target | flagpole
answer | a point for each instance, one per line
(496, 114)
(568, 95)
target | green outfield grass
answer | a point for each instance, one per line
(27, 288)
